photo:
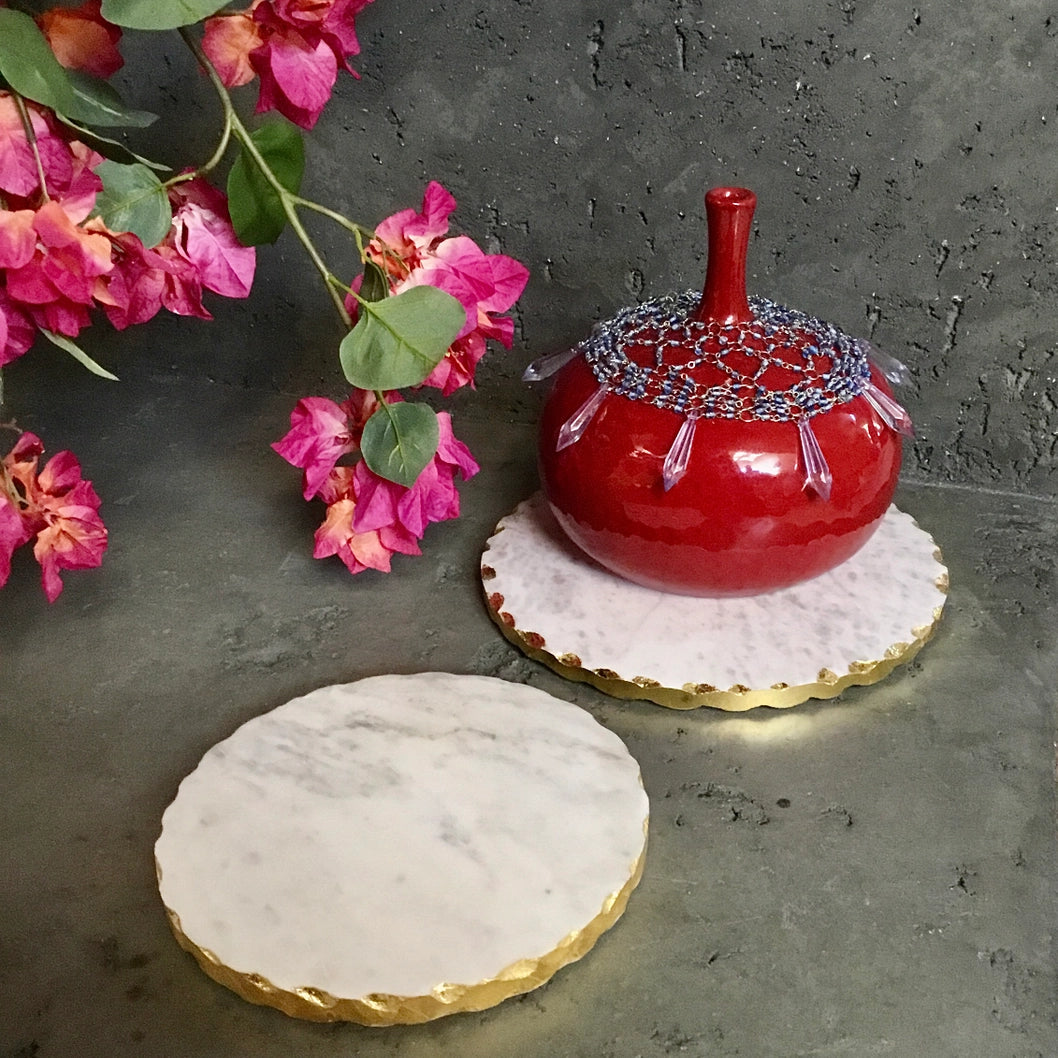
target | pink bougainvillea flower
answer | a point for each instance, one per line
(18, 166)
(67, 165)
(339, 25)
(55, 287)
(336, 536)
(172, 276)
(331, 22)
(16, 330)
(228, 41)
(341, 484)
(82, 39)
(338, 485)
(13, 534)
(432, 498)
(144, 281)
(359, 551)
(74, 537)
(14, 529)
(56, 505)
(20, 464)
(402, 239)
(368, 518)
(77, 192)
(332, 17)
(297, 76)
(372, 549)
(18, 240)
(295, 47)
(69, 256)
(360, 405)
(133, 291)
(412, 249)
(203, 234)
(320, 434)
(54, 261)
(458, 366)
(199, 251)
(181, 283)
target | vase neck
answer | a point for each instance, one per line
(729, 214)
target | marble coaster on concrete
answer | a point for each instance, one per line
(403, 847)
(851, 625)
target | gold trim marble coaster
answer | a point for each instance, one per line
(403, 847)
(851, 625)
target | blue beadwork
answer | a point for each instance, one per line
(667, 323)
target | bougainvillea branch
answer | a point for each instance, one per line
(87, 227)
(257, 222)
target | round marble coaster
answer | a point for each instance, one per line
(852, 625)
(403, 847)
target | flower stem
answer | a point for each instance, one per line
(31, 139)
(288, 200)
(358, 230)
(209, 165)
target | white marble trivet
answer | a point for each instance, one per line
(851, 625)
(402, 847)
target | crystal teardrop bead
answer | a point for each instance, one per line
(891, 413)
(895, 371)
(817, 471)
(573, 428)
(546, 366)
(678, 457)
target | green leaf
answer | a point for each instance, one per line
(96, 102)
(399, 341)
(133, 199)
(108, 147)
(375, 285)
(78, 354)
(159, 14)
(399, 440)
(28, 64)
(255, 206)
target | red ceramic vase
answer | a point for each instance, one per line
(740, 508)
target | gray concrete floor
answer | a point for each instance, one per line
(873, 875)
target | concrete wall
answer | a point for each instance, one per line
(902, 154)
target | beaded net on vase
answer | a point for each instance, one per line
(781, 366)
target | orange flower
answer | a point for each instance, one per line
(228, 41)
(82, 39)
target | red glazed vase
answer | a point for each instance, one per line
(731, 447)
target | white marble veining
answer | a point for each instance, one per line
(851, 614)
(401, 832)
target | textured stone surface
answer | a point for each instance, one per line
(874, 875)
(870, 875)
(901, 155)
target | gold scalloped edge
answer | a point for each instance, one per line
(696, 695)
(380, 1009)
